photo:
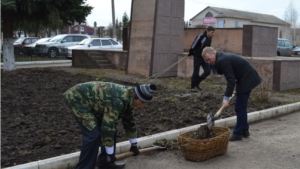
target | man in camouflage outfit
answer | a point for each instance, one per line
(97, 107)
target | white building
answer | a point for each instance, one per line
(230, 18)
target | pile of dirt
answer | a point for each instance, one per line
(203, 132)
(36, 124)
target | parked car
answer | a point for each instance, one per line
(21, 42)
(285, 47)
(296, 52)
(29, 49)
(96, 43)
(56, 46)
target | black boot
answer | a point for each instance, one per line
(198, 87)
(110, 163)
(235, 137)
(246, 133)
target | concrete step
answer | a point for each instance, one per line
(102, 61)
(106, 66)
(99, 57)
(94, 53)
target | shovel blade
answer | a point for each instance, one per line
(210, 120)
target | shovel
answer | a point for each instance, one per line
(211, 119)
(128, 154)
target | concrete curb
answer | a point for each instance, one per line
(50, 63)
(65, 161)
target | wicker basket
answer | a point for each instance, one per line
(201, 150)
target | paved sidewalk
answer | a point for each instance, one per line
(273, 144)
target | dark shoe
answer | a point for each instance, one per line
(246, 133)
(235, 137)
(198, 87)
(193, 90)
(112, 165)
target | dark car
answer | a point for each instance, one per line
(21, 42)
(296, 52)
(29, 49)
(285, 47)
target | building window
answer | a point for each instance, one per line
(280, 34)
(221, 23)
(209, 14)
(81, 28)
(236, 23)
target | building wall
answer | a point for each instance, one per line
(283, 31)
(296, 34)
(75, 29)
(198, 20)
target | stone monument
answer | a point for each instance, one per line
(156, 36)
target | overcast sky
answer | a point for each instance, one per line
(102, 12)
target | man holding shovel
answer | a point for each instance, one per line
(241, 74)
(97, 107)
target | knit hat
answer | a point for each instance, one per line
(145, 91)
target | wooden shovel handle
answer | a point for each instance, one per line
(128, 154)
(221, 109)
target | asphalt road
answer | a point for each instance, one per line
(273, 144)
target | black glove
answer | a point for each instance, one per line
(191, 52)
(110, 158)
(134, 149)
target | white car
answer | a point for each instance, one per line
(57, 46)
(96, 43)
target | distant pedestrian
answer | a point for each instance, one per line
(97, 107)
(201, 41)
(239, 74)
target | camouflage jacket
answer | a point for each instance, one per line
(103, 103)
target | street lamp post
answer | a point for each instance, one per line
(121, 28)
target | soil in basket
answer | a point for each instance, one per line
(203, 133)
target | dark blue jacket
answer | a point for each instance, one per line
(237, 70)
(200, 42)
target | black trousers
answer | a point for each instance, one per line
(196, 79)
(241, 113)
(91, 141)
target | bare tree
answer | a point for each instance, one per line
(291, 16)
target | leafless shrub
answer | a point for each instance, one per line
(263, 92)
